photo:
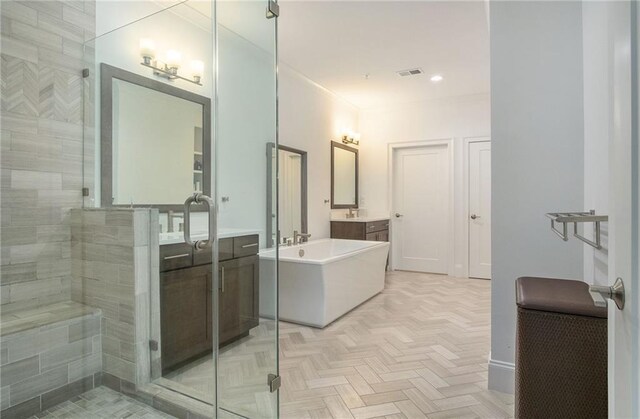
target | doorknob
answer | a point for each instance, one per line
(615, 293)
(473, 216)
(398, 215)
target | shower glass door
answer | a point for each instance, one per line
(149, 97)
(247, 273)
(180, 102)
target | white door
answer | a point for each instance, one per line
(480, 209)
(624, 368)
(421, 195)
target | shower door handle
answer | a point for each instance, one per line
(198, 198)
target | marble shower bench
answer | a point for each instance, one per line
(49, 354)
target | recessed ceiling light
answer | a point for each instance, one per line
(436, 78)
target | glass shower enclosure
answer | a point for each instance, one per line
(179, 104)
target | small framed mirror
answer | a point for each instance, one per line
(143, 122)
(344, 176)
(292, 192)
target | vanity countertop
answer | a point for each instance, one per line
(223, 233)
(361, 219)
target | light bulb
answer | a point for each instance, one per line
(436, 78)
(147, 49)
(197, 68)
(173, 58)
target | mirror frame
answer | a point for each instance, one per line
(335, 145)
(304, 219)
(107, 74)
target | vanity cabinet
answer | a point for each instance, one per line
(380, 236)
(238, 297)
(186, 297)
(377, 230)
(184, 308)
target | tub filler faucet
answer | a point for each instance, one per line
(300, 237)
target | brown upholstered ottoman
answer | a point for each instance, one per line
(561, 351)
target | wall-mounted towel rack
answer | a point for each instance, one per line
(565, 218)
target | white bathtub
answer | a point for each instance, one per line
(329, 279)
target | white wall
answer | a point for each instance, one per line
(456, 117)
(310, 117)
(246, 123)
(596, 132)
(537, 155)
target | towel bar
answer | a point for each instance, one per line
(576, 217)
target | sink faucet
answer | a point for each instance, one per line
(300, 237)
(353, 212)
(171, 216)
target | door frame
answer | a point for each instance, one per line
(465, 197)
(392, 148)
(624, 201)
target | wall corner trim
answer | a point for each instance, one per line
(502, 376)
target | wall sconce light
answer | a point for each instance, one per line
(350, 137)
(172, 63)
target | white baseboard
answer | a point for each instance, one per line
(502, 376)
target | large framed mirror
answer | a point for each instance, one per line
(292, 192)
(344, 176)
(143, 122)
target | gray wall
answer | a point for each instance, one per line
(42, 61)
(597, 102)
(537, 135)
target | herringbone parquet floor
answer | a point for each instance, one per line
(419, 349)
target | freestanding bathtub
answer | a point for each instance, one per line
(323, 279)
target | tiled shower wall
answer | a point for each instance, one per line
(42, 153)
(112, 252)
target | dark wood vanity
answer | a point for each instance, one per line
(377, 230)
(186, 281)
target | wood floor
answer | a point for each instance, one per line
(419, 349)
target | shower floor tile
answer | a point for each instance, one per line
(102, 402)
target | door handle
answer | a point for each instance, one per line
(198, 198)
(398, 215)
(600, 293)
(222, 278)
(473, 216)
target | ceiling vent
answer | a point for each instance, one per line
(410, 72)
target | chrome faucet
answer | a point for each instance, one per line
(353, 212)
(171, 216)
(300, 237)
